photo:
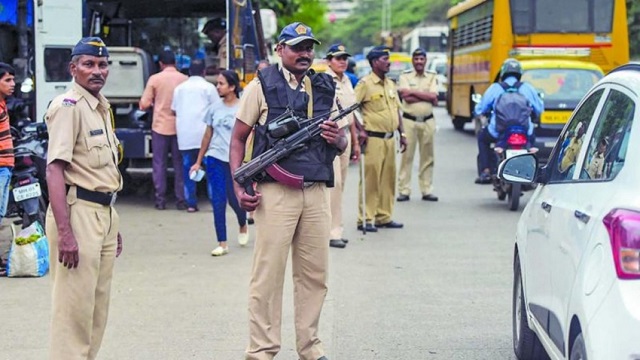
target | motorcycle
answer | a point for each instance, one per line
(29, 198)
(514, 142)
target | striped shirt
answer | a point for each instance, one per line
(6, 143)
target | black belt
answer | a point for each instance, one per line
(417, 118)
(107, 199)
(382, 135)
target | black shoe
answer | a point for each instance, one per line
(337, 243)
(181, 206)
(391, 225)
(369, 228)
(429, 197)
(250, 221)
(161, 206)
(402, 197)
(484, 178)
(346, 241)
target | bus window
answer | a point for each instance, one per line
(56, 64)
(567, 16)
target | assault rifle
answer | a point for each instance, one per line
(246, 174)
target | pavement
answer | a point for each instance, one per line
(438, 289)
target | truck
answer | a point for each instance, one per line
(134, 30)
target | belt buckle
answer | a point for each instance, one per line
(388, 135)
(307, 184)
(421, 118)
(114, 196)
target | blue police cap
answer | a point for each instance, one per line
(337, 50)
(296, 33)
(90, 46)
(419, 52)
(378, 51)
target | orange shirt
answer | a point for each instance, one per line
(159, 94)
(6, 143)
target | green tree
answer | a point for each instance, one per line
(633, 12)
(310, 12)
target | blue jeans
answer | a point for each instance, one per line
(220, 186)
(5, 181)
(486, 157)
(189, 158)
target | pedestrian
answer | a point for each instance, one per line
(216, 31)
(289, 217)
(337, 58)
(219, 120)
(419, 92)
(191, 99)
(82, 225)
(159, 94)
(7, 85)
(351, 72)
(380, 105)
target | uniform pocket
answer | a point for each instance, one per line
(99, 151)
(378, 103)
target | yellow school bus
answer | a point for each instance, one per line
(483, 33)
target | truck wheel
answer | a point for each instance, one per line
(526, 345)
(458, 123)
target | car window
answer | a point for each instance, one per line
(608, 145)
(572, 139)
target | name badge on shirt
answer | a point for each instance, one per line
(96, 132)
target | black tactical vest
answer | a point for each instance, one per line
(314, 161)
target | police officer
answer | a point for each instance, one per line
(289, 217)
(419, 92)
(216, 31)
(337, 57)
(380, 111)
(82, 225)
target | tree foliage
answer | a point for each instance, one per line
(633, 11)
(310, 12)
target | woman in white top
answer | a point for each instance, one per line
(220, 119)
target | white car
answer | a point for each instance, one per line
(576, 292)
(439, 66)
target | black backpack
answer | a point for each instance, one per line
(511, 108)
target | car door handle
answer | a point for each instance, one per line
(582, 216)
(546, 206)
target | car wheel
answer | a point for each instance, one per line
(526, 345)
(578, 350)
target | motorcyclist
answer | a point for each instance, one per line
(510, 74)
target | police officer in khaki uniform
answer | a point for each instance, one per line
(380, 111)
(216, 31)
(82, 225)
(337, 58)
(288, 217)
(419, 92)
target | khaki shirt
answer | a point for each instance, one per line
(426, 82)
(379, 103)
(218, 60)
(80, 134)
(253, 104)
(344, 94)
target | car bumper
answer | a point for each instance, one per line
(613, 330)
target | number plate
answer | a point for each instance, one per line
(512, 153)
(26, 192)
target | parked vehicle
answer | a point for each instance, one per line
(576, 292)
(29, 198)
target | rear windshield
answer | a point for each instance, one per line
(566, 85)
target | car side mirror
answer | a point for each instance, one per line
(520, 169)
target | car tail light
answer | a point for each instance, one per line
(517, 140)
(624, 232)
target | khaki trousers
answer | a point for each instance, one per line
(81, 295)
(420, 135)
(340, 165)
(297, 219)
(380, 180)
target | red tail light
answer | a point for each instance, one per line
(624, 232)
(517, 140)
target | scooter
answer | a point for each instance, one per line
(29, 198)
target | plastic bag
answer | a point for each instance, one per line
(31, 259)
